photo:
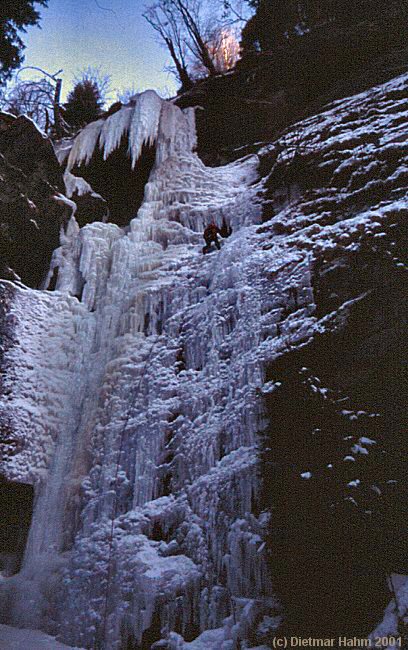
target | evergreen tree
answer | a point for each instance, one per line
(15, 16)
(85, 102)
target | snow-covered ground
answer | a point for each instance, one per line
(12, 638)
(137, 385)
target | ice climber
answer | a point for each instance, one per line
(210, 235)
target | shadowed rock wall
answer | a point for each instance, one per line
(32, 208)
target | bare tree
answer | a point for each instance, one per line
(166, 23)
(38, 99)
(32, 98)
(126, 94)
(199, 35)
(191, 14)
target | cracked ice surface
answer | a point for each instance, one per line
(145, 396)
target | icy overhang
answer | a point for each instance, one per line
(147, 120)
(116, 155)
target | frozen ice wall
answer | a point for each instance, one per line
(135, 390)
(137, 407)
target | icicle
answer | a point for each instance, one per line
(84, 145)
(144, 125)
(114, 129)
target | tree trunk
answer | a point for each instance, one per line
(183, 75)
(194, 31)
(47, 122)
(57, 113)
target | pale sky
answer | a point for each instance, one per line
(77, 33)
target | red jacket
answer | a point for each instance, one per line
(211, 231)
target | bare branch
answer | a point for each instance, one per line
(44, 72)
(105, 8)
(170, 32)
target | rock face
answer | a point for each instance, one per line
(32, 208)
(90, 206)
(269, 91)
(336, 486)
(148, 392)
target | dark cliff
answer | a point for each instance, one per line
(32, 208)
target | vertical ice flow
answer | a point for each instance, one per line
(156, 379)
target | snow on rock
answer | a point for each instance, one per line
(76, 185)
(15, 639)
(88, 205)
(389, 627)
(136, 390)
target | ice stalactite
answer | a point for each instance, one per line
(144, 121)
(125, 141)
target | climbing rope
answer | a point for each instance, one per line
(115, 484)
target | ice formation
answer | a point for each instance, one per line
(137, 393)
(11, 637)
(146, 120)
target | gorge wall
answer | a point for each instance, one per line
(32, 205)
(164, 405)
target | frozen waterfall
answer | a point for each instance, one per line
(133, 394)
(137, 401)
